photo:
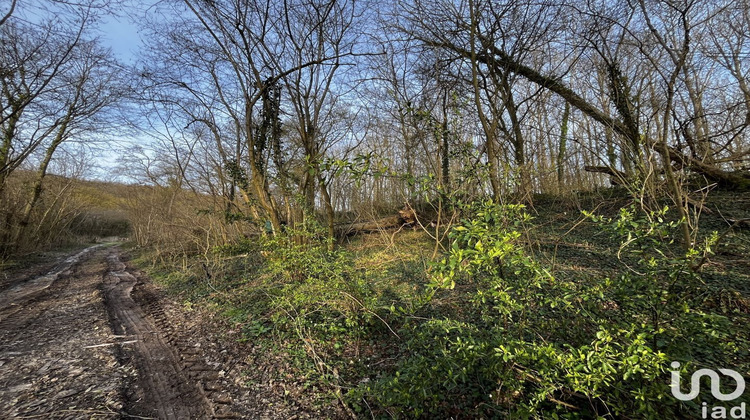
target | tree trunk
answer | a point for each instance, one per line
(258, 176)
(562, 149)
(490, 128)
(519, 153)
(5, 147)
(330, 215)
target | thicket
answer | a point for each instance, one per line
(528, 344)
(488, 328)
(68, 212)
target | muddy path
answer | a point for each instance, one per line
(89, 339)
(46, 324)
(164, 388)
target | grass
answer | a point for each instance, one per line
(337, 344)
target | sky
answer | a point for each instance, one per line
(121, 33)
(122, 36)
(117, 32)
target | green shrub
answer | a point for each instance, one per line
(314, 281)
(311, 302)
(533, 345)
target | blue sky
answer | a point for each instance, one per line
(120, 34)
(116, 32)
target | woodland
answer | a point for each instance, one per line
(424, 208)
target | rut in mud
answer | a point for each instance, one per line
(76, 343)
(165, 390)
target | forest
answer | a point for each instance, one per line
(408, 209)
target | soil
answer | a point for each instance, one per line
(86, 336)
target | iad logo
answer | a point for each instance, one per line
(717, 412)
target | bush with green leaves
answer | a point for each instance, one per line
(314, 300)
(313, 280)
(661, 285)
(291, 294)
(533, 345)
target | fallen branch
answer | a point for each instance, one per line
(739, 223)
(372, 225)
(732, 180)
(406, 216)
(616, 177)
(110, 344)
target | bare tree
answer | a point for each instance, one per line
(264, 60)
(320, 40)
(93, 86)
(54, 88)
(455, 34)
(33, 59)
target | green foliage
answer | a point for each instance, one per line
(488, 331)
(660, 287)
(532, 345)
(291, 295)
(312, 298)
(237, 173)
(243, 247)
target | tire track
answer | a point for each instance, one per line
(18, 294)
(191, 360)
(166, 392)
(173, 382)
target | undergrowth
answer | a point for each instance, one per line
(488, 329)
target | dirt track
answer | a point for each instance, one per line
(75, 343)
